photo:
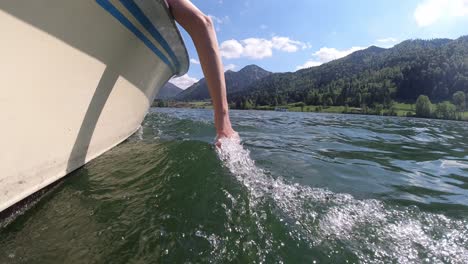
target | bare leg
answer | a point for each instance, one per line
(200, 27)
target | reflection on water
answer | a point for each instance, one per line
(301, 188)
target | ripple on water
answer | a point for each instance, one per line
(324, 188)
(373, 231)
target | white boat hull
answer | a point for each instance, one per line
(75, 81)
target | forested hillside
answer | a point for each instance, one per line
(168, 91)
(235, 82)
(437, 68)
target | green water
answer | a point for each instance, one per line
(302, 187)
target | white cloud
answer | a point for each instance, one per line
(259, 48)
(219, 21)
(429, 12)
(194, 61)
(231, 49)
(387, 40)
(229, 67)
(287, 44)
(308, 64)
(263, 26)
(328, 54)
(184, 81)
(325, 55)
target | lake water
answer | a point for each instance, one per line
(302, 188)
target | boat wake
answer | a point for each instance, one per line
(369, 230)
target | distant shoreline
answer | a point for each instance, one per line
(400, 109)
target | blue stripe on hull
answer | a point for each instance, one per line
(119, 16)
(141, 17)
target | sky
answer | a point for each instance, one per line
(285, 36)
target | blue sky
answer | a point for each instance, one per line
(282, 36)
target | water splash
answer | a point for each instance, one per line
(371, 230)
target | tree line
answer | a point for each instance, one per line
(442, 110)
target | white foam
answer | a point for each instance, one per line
(375, 232)
(454, 164)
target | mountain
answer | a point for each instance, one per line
(168, 91)
(235, 82)
(436, 68)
